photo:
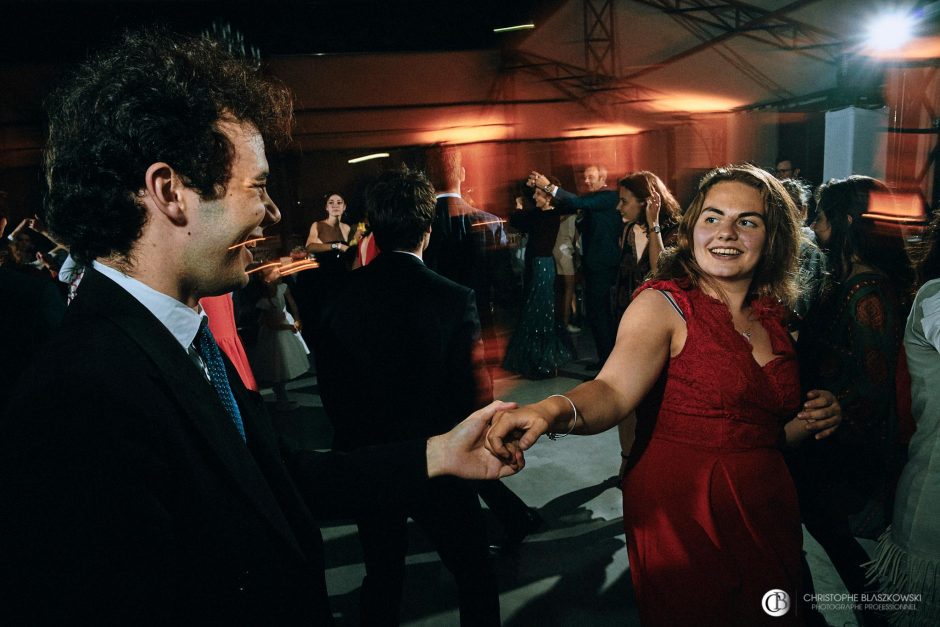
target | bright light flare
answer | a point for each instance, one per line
(248, 242)
(263, 266)
(466, 133)
(890, 31)
(377, 155)
(694, 103)
(297, 266)
(509, 29)
(602, 131)
(486, 222)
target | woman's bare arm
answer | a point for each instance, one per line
(649, 333)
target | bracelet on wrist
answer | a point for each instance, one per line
(574, 422)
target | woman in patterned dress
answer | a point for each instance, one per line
(849, 343)
(537, 347)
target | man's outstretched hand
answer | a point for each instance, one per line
(460, 451)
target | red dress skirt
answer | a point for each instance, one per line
(710, 511)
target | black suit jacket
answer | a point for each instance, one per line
(395, 311)
(467, 246)
(129, 497)
(600, 225)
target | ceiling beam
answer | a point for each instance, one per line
(753, 18)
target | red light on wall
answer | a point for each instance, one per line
(903, 207)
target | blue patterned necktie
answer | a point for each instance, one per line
(212, 356)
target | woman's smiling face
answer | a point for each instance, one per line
(729, 235)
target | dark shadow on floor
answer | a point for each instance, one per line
(579, 548)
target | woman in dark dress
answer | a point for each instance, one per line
(650, 214)
(710, 512)
(334, 244)
(330, 240)
(537, 348)
(849, 343)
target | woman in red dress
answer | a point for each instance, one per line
(703, 356)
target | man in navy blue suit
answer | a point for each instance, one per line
(600, 228)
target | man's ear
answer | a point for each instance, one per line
(164, 190)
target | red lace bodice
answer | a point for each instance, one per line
(715, 395)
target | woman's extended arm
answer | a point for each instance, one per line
(316, 245)
(649, 332)
(655, 244)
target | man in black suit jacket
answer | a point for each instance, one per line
(600, 228)
(402, 336)
(467, 245)
(142, 483)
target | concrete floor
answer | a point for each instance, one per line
(574, 571)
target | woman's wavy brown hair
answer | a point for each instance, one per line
(641, 184)
(775, 276)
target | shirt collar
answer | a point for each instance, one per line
(182, 321)
(408, 252)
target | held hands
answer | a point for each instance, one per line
(460, 451)
(515, 431)
(821, 413)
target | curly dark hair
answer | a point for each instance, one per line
(400, 206)
(775, 276)
(154, 97)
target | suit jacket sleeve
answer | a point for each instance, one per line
(370, 479)
(566, 202)
(119, 533)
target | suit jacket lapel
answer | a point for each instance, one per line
(196, 396)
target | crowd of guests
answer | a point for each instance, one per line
(752, 350)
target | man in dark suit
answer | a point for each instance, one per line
(467, 245)
(142, 483)
(402, 336)
(600, 228)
